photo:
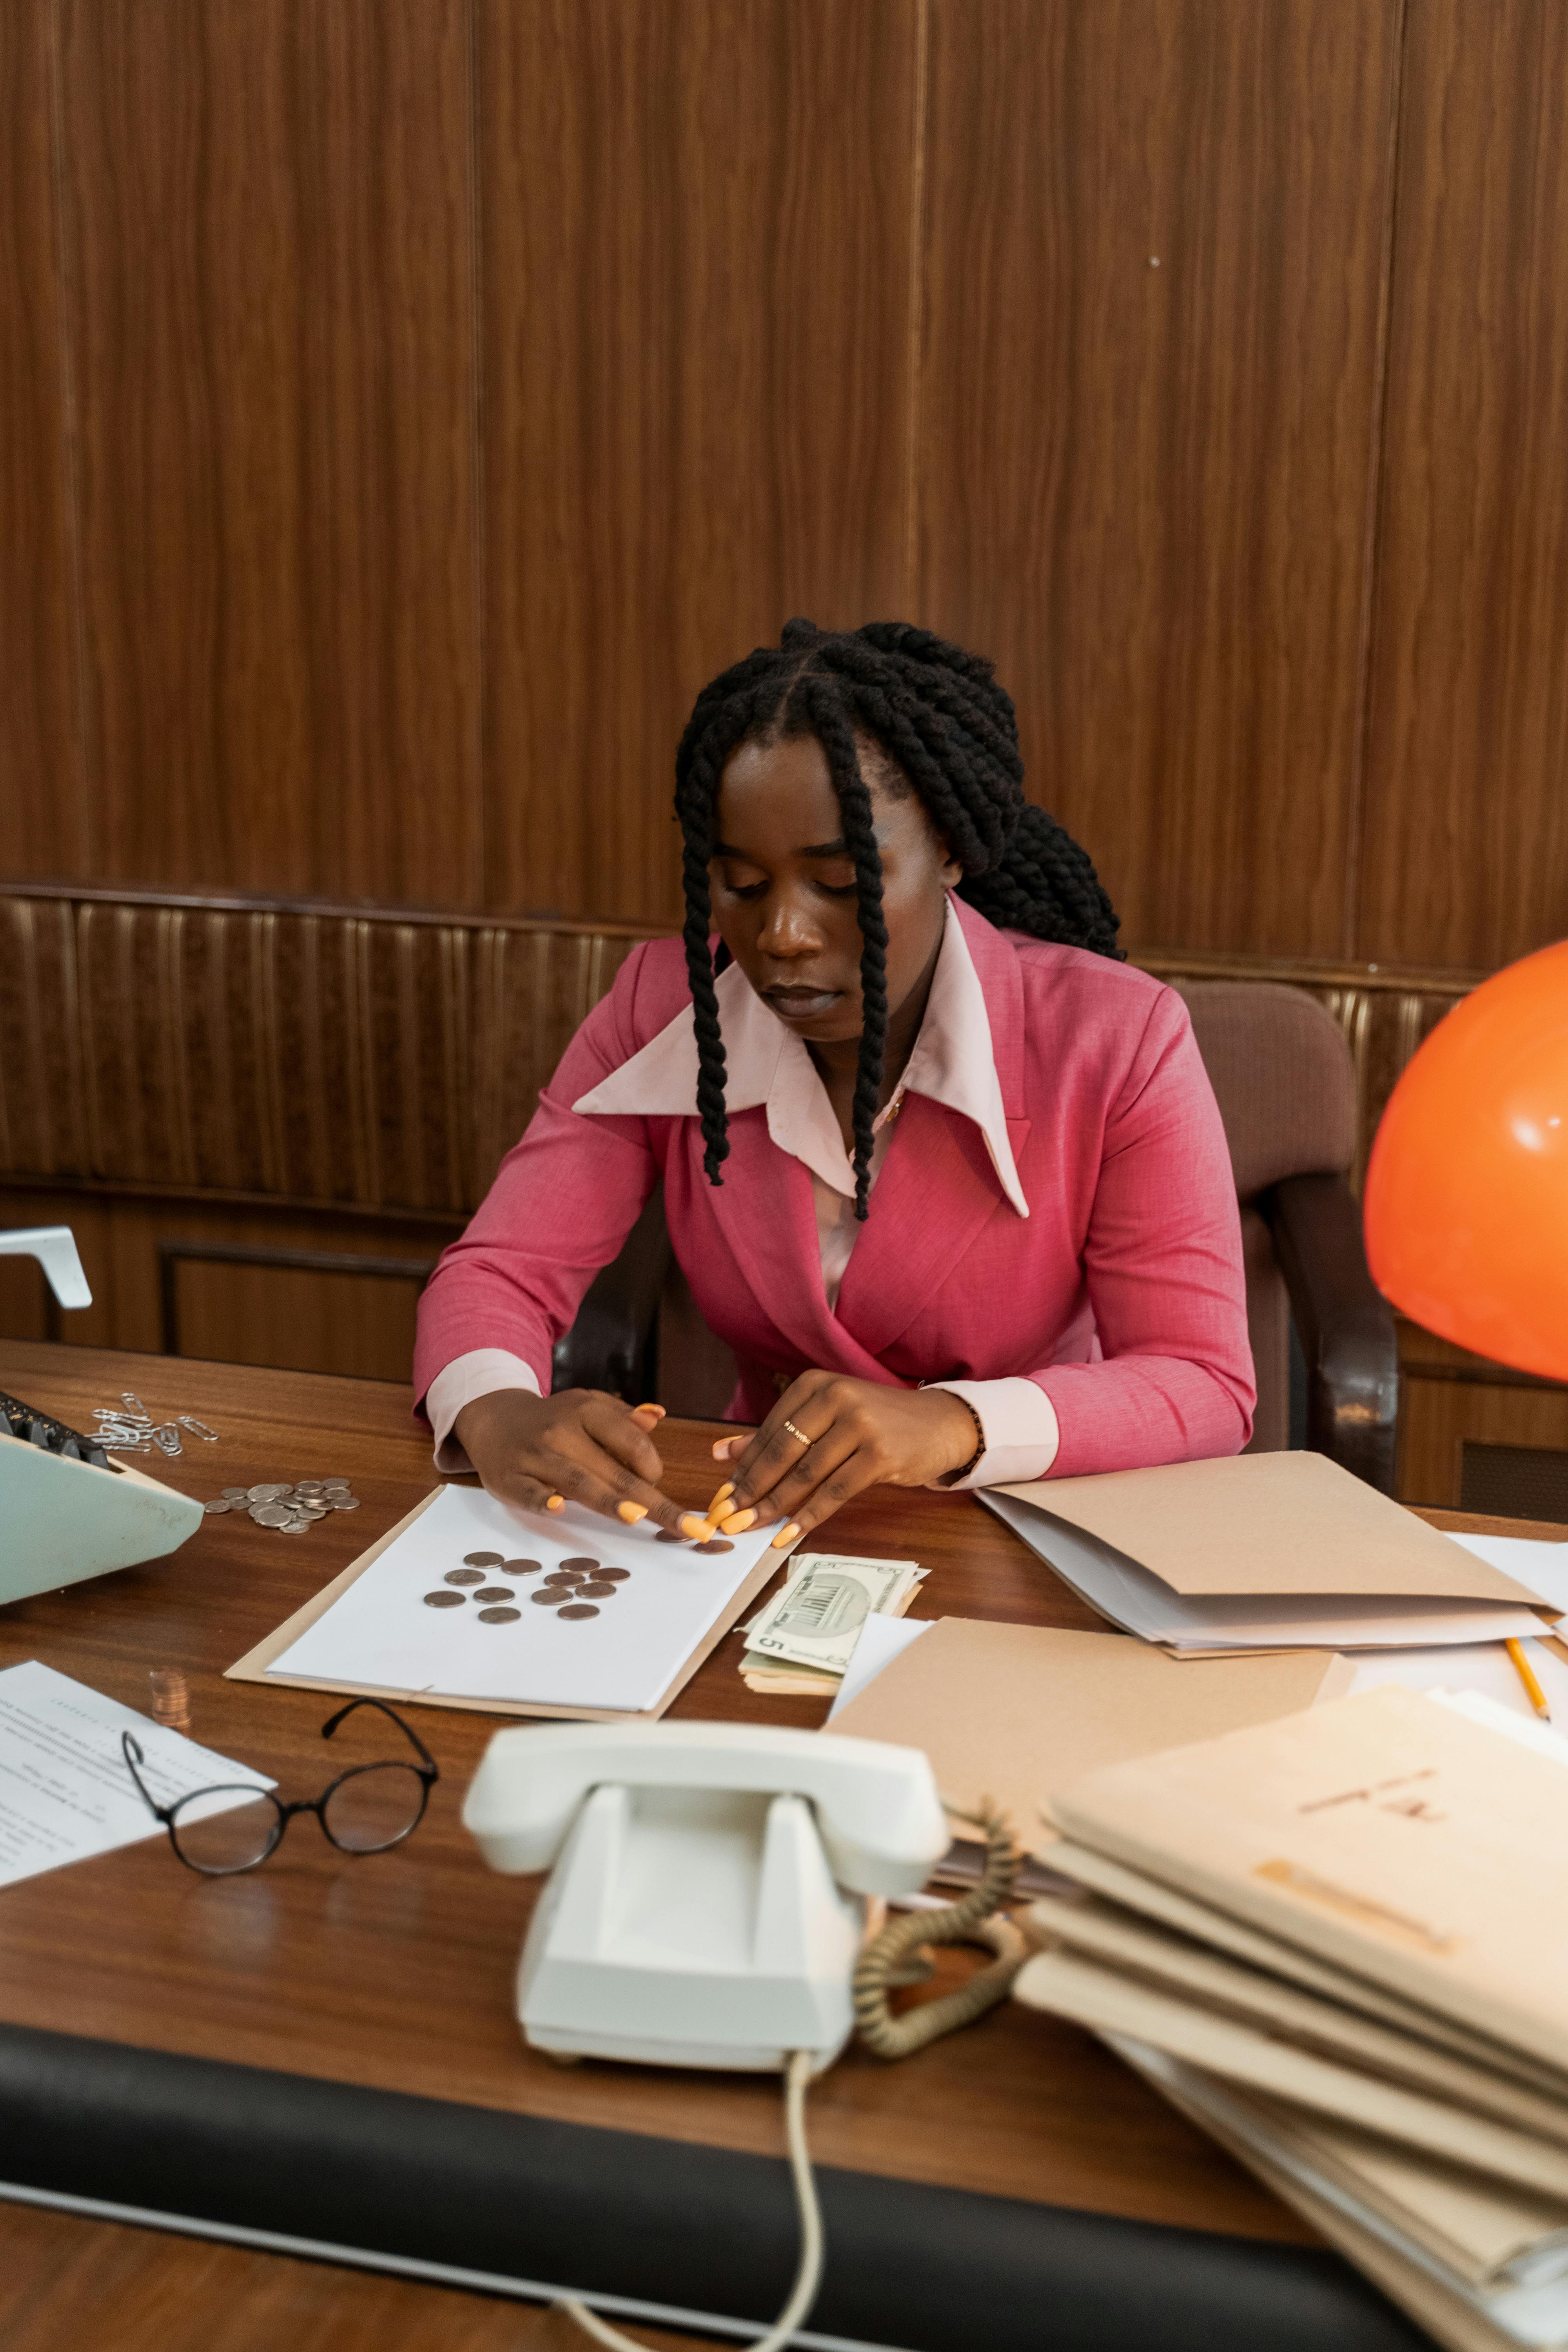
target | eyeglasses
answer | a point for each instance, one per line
(365, 1810)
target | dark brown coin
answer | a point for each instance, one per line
(582, 1562)
(521, 1566)
(612, 1575)
(577, 1609)
(500, 1616)
(667, 1535)
(547, 1596)
(465, 1576)
(494, 1592)
(482, 1559)
(566, 1575)
(444, 1599)
(591, 1590)
(715, 1543)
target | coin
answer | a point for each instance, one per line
(482, 1559)
(495, 1593)
(271, 1514)
(570, 1577)
(715, 1543)
(343, 1502)
(500, 1616)
(303, 1506)
(309, 1487)
(546, 1597)
(577, 1609)
(667, 1535)
(218, 1503)
(583, 1561)
(236, 1493)
(442, 1601)
(611, 1575)
(335, 1480)
(521, 1566)
(465, 1576)
(269, 1494)
(593, 1591)
(295, 1528)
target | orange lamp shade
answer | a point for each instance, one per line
(1467, 1193)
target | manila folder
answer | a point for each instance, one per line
(1009, 1711)
(1388, 1834)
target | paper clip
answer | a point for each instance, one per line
(197, 1428)
(167, 1437)
(136, 1409)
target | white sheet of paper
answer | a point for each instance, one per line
(381, 1634)
(1542, 1565)
(881, 1639)
(65, 1793)
(1485, 1667)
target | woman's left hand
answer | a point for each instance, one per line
(827, 1438)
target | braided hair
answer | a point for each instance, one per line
(950, 734)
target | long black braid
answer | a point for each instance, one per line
(944, 723)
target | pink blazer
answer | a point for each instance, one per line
(1121, 1294)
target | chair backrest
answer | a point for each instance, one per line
(1286, 1085)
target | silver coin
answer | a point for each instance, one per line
(219, 1503)
(343, 1502)
(335, 1480)
(307, 1509)
(271, 1514)
(295, 1528)
(500, 1616)
(308, 1486)
(334, 1486)
(269, 1492)
(236, 1493)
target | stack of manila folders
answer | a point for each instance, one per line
(1336, 1941)
(1264, 1551)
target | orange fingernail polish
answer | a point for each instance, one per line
(695, 1529)
(556, 1503)
(631, 1512)
(737, 1523)
(725, 1491)
(785, 1534)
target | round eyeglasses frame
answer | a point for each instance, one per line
(427, 1771)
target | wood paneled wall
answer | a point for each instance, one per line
(403, 408)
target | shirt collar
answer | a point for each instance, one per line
(953, 1064)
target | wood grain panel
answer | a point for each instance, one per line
(45, 826)
(1466, 835)
(695, 233)
(1154, 244)
(66, 2281)
(271, 247)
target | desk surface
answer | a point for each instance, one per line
(396, 1973)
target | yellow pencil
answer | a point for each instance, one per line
(1526, 1673)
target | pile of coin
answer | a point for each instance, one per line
(573, 1590)
(289, 1509)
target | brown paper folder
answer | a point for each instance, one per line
(1010, 1711)
(255, 1666)
(1272, 1524)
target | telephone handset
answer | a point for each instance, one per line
(706, 1908)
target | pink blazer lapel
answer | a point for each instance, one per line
(767, 1213)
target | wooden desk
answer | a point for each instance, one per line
(393, 1975)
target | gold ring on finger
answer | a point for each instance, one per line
(797, 1432)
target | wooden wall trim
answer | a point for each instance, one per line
(172, 1254)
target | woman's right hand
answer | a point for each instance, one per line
(581, 1446)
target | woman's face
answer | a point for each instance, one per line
(784, 886)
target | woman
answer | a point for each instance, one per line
(916, 1023)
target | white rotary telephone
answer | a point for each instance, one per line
(707, 1906)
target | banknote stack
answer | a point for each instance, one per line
(803, 1638)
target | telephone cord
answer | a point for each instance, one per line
(808, 2275)
(885, 1961)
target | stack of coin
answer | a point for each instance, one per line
(290, 1509)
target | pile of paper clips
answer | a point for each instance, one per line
(128, 1428)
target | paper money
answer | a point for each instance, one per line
(815, 1620)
